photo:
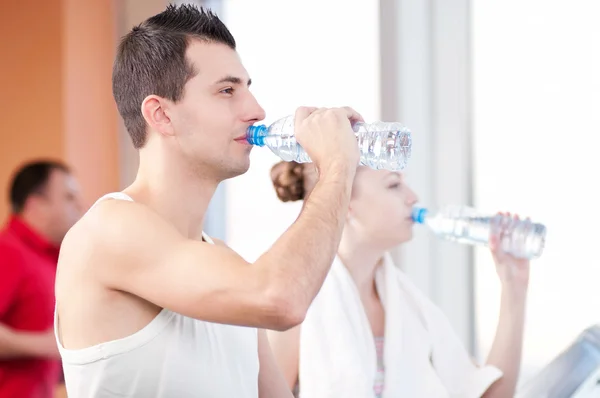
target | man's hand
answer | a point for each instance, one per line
(327, 136)
(18, 344)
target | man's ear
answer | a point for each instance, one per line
(154, 110)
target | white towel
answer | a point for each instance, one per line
(423, 357)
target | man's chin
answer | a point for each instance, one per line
(237, 171)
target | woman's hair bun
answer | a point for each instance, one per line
(288, 180)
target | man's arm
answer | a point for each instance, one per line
(144, 255)
(271, 383)
(16, 344)
(136, 251)
(11, 272)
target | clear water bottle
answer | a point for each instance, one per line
(382, 145)
(521, 238)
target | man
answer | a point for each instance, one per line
(45, 204)
(149, 307)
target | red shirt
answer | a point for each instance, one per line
(27, 274)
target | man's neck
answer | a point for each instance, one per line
(178, 194)
(39, 227)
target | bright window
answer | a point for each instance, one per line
(536, 75)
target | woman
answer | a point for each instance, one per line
(370, 332)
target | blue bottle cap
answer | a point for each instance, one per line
(255, 135)
(419, 214)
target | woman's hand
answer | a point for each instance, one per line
(513, 272)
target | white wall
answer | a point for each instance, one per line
(537, 133)
(301, 52)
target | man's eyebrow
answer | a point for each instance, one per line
(233, 80)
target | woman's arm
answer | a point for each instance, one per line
(271, 383)
(286, 349)
(508, 344)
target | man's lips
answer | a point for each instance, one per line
(242, 140)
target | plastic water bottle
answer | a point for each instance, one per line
(382, 145)
(521, 238)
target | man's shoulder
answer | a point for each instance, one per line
(111, 214)
(9, 244)
(218, 242)
(113, 225)
(12, 253)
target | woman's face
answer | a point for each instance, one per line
(381, 207)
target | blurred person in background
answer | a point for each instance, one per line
(44, 201)
(370, 332)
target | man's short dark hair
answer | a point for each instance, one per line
(31, 179)
(151, 60)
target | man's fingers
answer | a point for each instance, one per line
(352, 115)
(303, 112)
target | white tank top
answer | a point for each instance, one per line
(172, 357)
